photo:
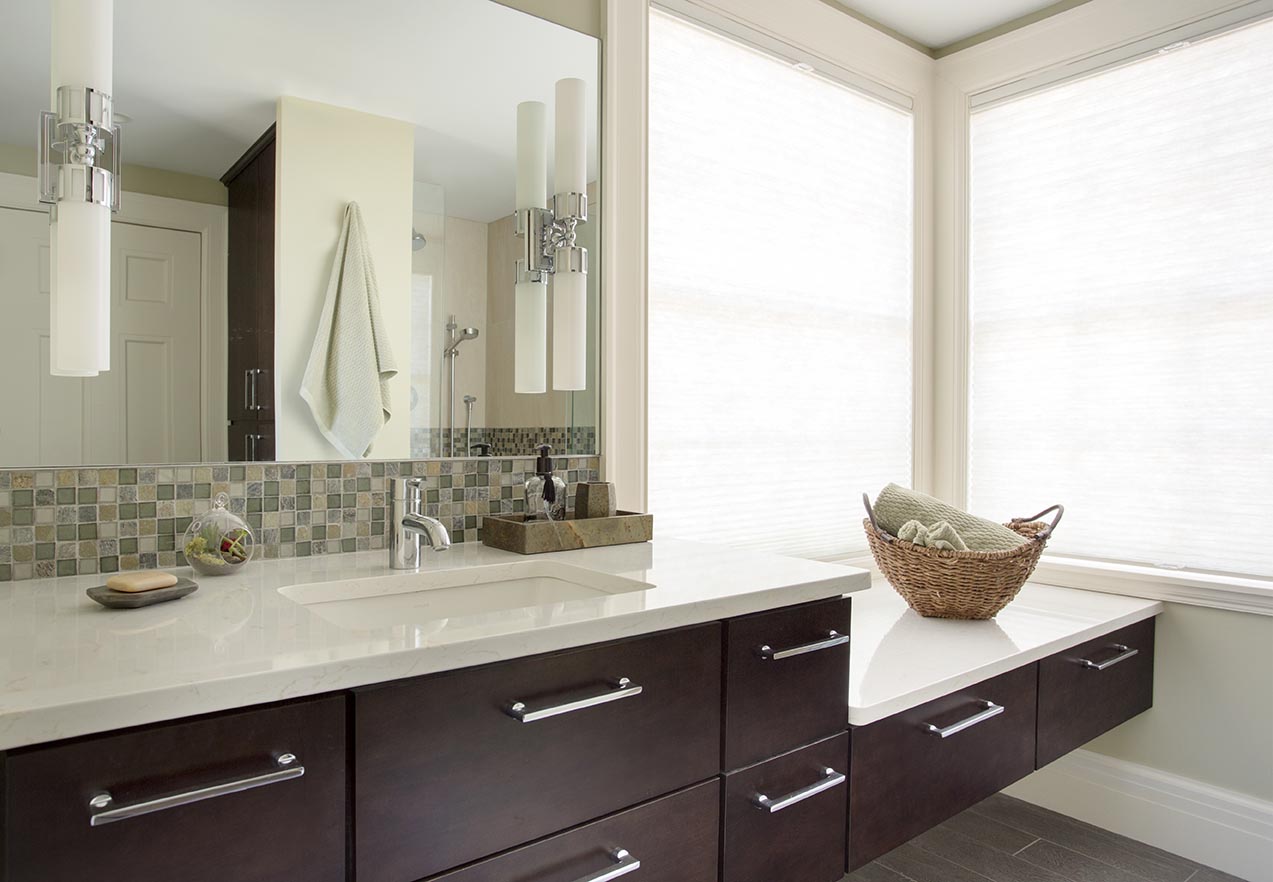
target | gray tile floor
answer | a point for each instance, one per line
(1007, 840)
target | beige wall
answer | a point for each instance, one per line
(1212, 718)
(137, 178)
(326, 158)
(584, 16)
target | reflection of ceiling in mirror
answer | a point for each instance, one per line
(199, 80)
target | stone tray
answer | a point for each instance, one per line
(513, 532)
(137, 599)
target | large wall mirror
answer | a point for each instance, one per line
(248, 128)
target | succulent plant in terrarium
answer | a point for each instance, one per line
(218, 542)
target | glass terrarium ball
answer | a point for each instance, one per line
(218, 542)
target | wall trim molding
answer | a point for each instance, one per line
(624, 111)
(1221, 828)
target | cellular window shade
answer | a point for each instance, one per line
(780, 292)
(1122, 308)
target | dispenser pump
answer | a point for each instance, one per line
(545, 492)
(544, 468)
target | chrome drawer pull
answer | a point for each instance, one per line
(620, 688)
(100, 812)
(1124, 653)
(830, 778)
(833, 639)
(624, 863)
(990, 710)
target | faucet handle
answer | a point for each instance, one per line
(407, 489)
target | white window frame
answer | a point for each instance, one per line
(840, 47)
(1079, 42)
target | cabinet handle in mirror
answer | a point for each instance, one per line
(832, 640)
(102, 808)
(989, 709)
(624, 863)
(1124, 653)
(830, 778)
(620, 688)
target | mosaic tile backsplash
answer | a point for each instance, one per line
(63, 522)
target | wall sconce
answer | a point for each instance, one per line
(548, 244)
(78, 164)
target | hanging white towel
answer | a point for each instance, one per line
(346, 382)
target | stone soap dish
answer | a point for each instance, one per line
(112, 599)
(515, 532)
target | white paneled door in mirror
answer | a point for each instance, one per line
(781, 239)
(147, 407)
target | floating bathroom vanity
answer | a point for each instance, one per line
(671, 711)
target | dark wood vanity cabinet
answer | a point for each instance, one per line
(250, 303)
(916, 768)
(1092, 688)
(785, 818)
(454, 767)
(254, 796)
(913, 770)
(670, 839)
(549, 768)
(786, 679)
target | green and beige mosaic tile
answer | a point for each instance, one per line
(64, 522)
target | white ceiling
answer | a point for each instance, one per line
(938, 23)
(200, 79)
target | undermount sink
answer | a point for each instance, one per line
(469, 597)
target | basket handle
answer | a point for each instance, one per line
(866, 500)
(1043, 534)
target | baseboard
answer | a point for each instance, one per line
(1221, 828)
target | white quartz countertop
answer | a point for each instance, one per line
(69, 667)
(901, 659)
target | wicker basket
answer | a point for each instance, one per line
(959, 584)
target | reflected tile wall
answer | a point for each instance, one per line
(505, 441)
(59, 522)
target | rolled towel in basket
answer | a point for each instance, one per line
(940, 535)
(897, 505)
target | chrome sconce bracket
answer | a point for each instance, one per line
(78, 157)
(548, 238)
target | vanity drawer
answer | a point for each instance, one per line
(785, 818)
(673, 839)
(906, 777)
(1093, 687)
(446, 773)
(786, 679)
(290, 825)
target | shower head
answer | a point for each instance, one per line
(417, 240)
(465, 334)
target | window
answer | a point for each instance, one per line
(1121, 284)
(780, 255)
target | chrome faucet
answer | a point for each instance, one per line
(407, 524)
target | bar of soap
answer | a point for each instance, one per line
(140, 580)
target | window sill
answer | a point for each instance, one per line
(1195, 589)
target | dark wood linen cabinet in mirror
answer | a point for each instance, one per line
(250, 303)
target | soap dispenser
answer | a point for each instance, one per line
(545, 493)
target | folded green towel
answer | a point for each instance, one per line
(897, 505)
(940, 535)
